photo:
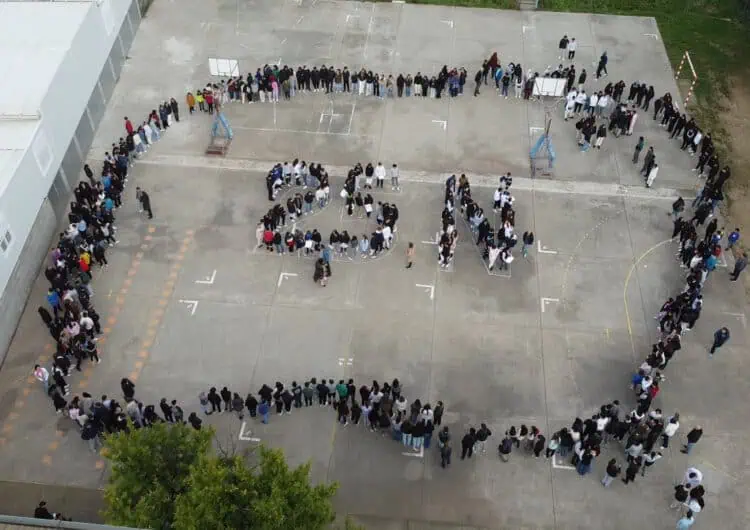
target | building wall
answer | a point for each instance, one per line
(36, 199)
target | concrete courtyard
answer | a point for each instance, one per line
(188, 303)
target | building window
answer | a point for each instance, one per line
(42, 152)
(6, 241)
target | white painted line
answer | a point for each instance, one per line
(653, 35)
(542, 249)
(351, 119)
(448, 22)
(351, 16)
(535, 129)
(420, 454)
(247, 437)
(398, 2)
(428, 289)
(209, 279)
(740, 316)
(525, 28)
(279, 62)
(346, 361)
(300, 19)
(722, 261)
(283, 276)
(369, 32)
(442, 123)
(283, 41)
(545, 301)
(560, 466)
(192, 305)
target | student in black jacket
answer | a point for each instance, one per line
(467, 443)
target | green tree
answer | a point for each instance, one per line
(150, 469)
(224, 493)
(167, 476)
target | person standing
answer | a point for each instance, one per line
(572, 46)
(445, 454)
(562, 47)
(42, 375)
(410, 250)
(478, 81)
(692, 438)
(632, 470)
(721, 336)
(652, 175)
(638, 149)
(649, 460)
(482, 435)
(145, 202)
(379, 175)
(467, 443)
(394, 178)
(732, 238)
(739, 266)
(612, 472)
(602, 66)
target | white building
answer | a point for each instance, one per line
(59, 62)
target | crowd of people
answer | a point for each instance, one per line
(496, 247)
(70, 316)
(358, 203)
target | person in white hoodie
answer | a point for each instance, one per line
(394, 178)
(670, 429)
(496, 198)
(379, 175)
(652, 175)
(593, 102)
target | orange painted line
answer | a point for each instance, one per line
(138, 365)
(13, 415)
(147, 343)
(88, 371)
(107, 330)
(26, 391)
(53, 446)
(187, 241)
(166, 292)
(184, 248)
(7, 427)
(31, 379)
(102, 340)
(60, 433)
(83, 384)
(163, 302)
(120, 300)
(190, 232)
(128, 282)
(143, 354)
(147, 238)
(99, 464)
(47, 459)
(111, 321)
(170, 283)
(115, 310)
(134, 375)
(151, 229)
(132, 271)
(157, 313)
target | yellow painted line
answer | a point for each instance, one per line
(143, 354)
(53, 446)
(47, 459)
(88, 371)
(151, 332)
(625, 288)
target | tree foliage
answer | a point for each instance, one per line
(166, 476)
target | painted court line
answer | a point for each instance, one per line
(560, 466)
(247, 437)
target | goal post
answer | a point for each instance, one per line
(687, 61)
